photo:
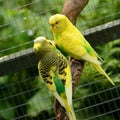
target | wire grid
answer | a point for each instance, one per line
(23, 95)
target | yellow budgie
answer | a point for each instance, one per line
(71, 42)
(55, 71)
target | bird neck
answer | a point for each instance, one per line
(42, 54)
(56, 35)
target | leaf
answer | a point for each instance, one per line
(7, 111)
(39, 102)
(3, 80)
(114, 63)
(115, 51)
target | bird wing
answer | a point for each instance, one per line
(65, 76)
(78, 47)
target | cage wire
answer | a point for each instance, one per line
(23, 96)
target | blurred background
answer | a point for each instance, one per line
(23, 96)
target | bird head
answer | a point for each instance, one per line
(42, 45)
(58, 23)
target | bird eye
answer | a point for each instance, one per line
(56, 22)
(50, 43)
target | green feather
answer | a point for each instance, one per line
(62, 50)
(59, 85)
(88, 49)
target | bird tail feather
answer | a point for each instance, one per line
(90, 59)
(71, 113)
(99, 68)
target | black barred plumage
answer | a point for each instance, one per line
(50, 60)
(64, 81)
(62, 65)
(45, 73)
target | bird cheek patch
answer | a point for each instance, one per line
(57, 28)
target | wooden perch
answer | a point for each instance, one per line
(71, 9)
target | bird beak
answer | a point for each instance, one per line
(52, 25)
(37, 46)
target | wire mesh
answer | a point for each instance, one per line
(23, 96)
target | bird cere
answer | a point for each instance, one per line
(54, 67)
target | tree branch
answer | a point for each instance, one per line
(71, 9)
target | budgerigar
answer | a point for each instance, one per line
(55, 71)
(71, 42)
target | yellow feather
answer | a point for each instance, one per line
(99, 68)
(71, 41)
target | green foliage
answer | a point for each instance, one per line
(23, 94)
(24, 23)
(98, 12)
(111, 55)
(41, 102)
(7, 111)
